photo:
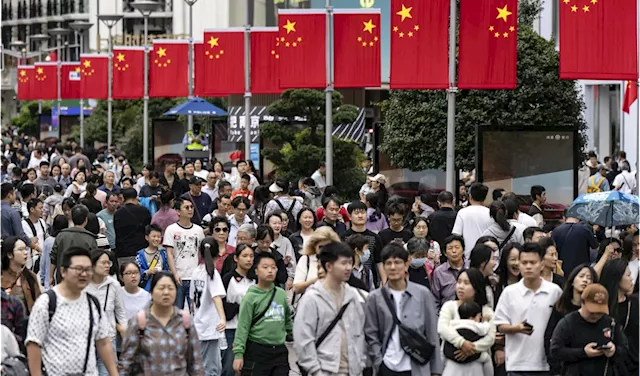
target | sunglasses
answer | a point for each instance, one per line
(221, 229)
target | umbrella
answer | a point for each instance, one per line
(607, 209)
(196, 106)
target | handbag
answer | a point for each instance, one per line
(413, 343)
(325, 334)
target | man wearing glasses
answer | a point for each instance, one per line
(181, 240)
(240, 207)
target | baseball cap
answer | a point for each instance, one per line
(196, 180)
(596, 298)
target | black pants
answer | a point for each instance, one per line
(265, 360)
(385, 371)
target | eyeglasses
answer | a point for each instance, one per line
(617, 250)
(221, 229)
(80, 270)
(131, 274)
(106, 263)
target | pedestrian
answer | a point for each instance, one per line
(574, 241)
(307, 269)
(306, 222)
(396, 231)
(67, 327)
(264, 322)
(443, 280)
(219, 230)
(473, 220)
(330, 317)
(135, 299)
(331, 215)
(358, 214)
(401, 302)
(282, 245)
(153, 258)
(550, 262)
(264, 238)
(443, 219)
(11, 218)
(420, 269)
(505, 227)
(17, 280)
(361, 275)
(129, 223)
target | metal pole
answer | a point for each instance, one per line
(328, 132)
(145, 111)
(98, 47)
(109, 92)
(451, 108)
(247, 83)
(39, 60)
(190, 117)
(59, 69)
(81, 96)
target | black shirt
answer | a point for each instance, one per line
(388, 235)
(627, 317)
(419, 276)
(574, 242)
(201, 206)
(129, 223)
(441, 224)
(178, 187)
(148, 191)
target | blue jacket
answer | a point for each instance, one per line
(12, 223)
(142, 264)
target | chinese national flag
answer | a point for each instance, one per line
(265, 78)
(198, 70)
(419, 44)
(630, 95)
(95, 76)
(223, 62)
(45, 85)
(598, 40)
(357, 48)
(488, 44)
(26, 75)
(128, 73)
(169, 69)
(70, 86)
(302, 48)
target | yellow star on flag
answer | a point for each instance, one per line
(503, 13)
(395, 28)
(585, 8)
(290, 26)
(505, 34)
(368, 26)
(78, 69)
(491, 28)
(410, 33)
(40, 71)
(162, 52)
(405, 13)
(87, 64)
(23, 73)
(213, 42)
(511, 28)
(594, 2)
(120, 57)
(496, 35)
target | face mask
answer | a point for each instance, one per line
(365, 257)
(418, 262)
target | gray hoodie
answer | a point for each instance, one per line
(500, 234)
(315, 312)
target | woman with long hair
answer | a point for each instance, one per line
(505, 228)
(283, 246)
(307, 269)
(127, 172)
(17, 280)
(90, 200)
(550, 261)
(420, 229)
(470, 287)
(378, 186)
(492, 243)
(570, 300)
(623, 306)
(609, 249)
(261, 196)
(218, 168)
(508, 270)
(167, 340)
(482, 258)
(306, 222)
(376, 220)
(78, 186)
(199, 170)
(219, 230)
(166, 215)
(134, 297)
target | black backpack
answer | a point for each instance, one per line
(291, 226)
(15, 366)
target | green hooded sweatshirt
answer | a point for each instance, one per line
(271, 329)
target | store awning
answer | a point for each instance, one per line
(353, 131)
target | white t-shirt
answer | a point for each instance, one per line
(626, 181)
(527, 220)
(203, 290)
(304, 274)
(633, 267)
(185, 242)
(395, 358)
(471, 223)
(525, 353)
(41, 234)
(134, 303)
(236, 290)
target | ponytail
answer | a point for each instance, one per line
(498, 211)
(209, 252)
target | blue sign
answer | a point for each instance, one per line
(255, 155)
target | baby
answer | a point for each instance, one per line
(471, 328)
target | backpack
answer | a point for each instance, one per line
(291, 226)
(15, 366)
(592, 187)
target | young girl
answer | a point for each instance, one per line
(135, 299)
(209, 319)
(151, 260)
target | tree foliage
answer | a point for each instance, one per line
(28, 120)
(414, 133)
(300, 143)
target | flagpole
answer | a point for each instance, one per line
(109, 20)
(247, 83)
(451, 104)
(145, 108)
(328, 132)
(59, 70)
(190, 3)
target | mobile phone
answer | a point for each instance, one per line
(603, 346)
(528, 326)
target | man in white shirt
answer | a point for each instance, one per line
(625, 182)
(474, 219)
(319, 176)
(211, 188)
(36, 157)
(34, 227)
(523, 218)
(523, 312)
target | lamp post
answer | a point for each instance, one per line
(145, 7)
(190, 4)
(59, 32)
(40, 40)
(110, 20)
(79, 28)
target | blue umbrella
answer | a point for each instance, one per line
(606, 209)
(196, 106)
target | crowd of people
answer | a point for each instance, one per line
(198, 270)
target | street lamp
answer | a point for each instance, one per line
(110, 20)
(190, 4)
(59, 32)
(79, 27)
(145, 7)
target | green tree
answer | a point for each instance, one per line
(300, 146)
(28, 120)
(416, 121)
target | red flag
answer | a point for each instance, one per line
(302, 48)
(630, 95)
(488, 44)
(198, 70)
(26, 76)
(598, 40)
(265, 78)
(95, 76)
(169, 69)
(128, 73)
(357, 48)
(45, 85)
(419, 44)
(223, 62)
(70, 86)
